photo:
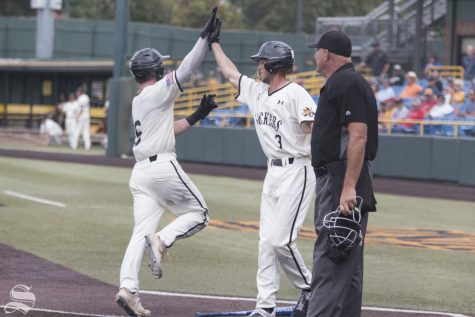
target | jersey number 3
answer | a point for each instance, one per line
(279, 139)
(138, 132)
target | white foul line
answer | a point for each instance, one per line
(293, 303)
(67, 312)
(33, 198)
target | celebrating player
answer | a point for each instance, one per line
(158, 181)
(283, 113)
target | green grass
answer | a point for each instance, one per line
(90, 236)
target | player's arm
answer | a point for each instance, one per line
(194, 58)
(226, 66)
(307, 126)
(207, 104)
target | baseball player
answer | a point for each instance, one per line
(283, 113)
(71, 111)
(158, 182)
(84, 117)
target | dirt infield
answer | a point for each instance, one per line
(59, 291)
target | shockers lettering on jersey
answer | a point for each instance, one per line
(267, 118)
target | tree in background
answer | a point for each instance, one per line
(262, 15)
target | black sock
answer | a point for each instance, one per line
(269, 310)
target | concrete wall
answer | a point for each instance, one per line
(425, 158)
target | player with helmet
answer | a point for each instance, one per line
(283, 113)
(158, 182)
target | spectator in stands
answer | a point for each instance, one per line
(377, 61)
(467, 110)
(84, 117)
(71, 111)
(432, 62)
(434, 83)
(468, 63)
(416, 113)
(412, 88)
(441, 109)
(400, 113)
(387, 92)
(397, 78)
(387, 109)
(458, 95)
(428, 101)
(51, 130)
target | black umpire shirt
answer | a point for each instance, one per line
(346, 97)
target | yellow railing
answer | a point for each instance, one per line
(456, 72)
(225, 93)
(390, 123)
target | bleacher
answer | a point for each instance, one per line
(233, 114)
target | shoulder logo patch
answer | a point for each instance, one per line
(307, 112)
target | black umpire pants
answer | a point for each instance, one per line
(337, 281)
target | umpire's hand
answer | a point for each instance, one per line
(206, 105)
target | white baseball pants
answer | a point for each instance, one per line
(83, 130)
(157, 186)
(286, 197)
(72, 130)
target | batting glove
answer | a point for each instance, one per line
(214, 35)
(206, 105)
(210, 24)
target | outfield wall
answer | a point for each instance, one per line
(425, 158)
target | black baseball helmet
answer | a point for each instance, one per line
(279, 56)
(146, 64)
(344, 231)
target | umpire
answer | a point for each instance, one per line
(344, 140)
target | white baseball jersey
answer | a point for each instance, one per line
(277, 117)
(152, 113)
(84, 104)
(71, 110)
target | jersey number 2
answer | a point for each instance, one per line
(138, 133)
(279, 139)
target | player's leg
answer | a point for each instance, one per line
(86, 134)
(295, 192)
(147, 215)
(180, 195)
(268, 275)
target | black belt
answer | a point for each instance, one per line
(152, 158)
(320, 171)
(280, 162)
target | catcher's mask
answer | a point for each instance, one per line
(146, 64)
(345, 231)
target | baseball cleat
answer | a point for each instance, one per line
(261, 312)
(156, 250)
(131, 303)
(301, 308)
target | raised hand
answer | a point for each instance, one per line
(210, 24)
(214, 35)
